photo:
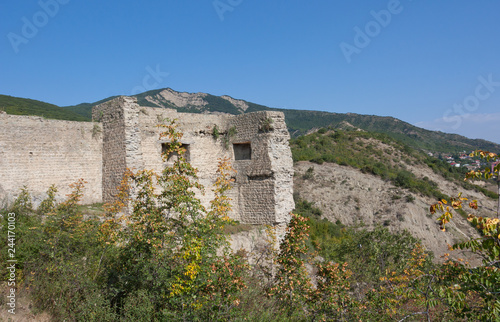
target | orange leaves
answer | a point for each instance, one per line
(489, 171)
(292, 267)
(447, 215)
(330, 298)
(401, 289)
(122, 198)
(489, 226)
(76, 194)
(220, 205)
(485, 155)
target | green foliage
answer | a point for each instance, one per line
(48, 205)
(356, 149)
(232, 131)
(215, 132)
(22, 204)
(58, 257)
(85, 109)
(309, 174)
(368, 253)
(218, 104)
(409, 198)
(457, 174)
(371, 253)
(321, 231)
(24, 106)
(229, 136)
(293, 287)
(96, 129)
(299, 122)
(171, 245)
(27, 243)
(472, 292)
(266, 125)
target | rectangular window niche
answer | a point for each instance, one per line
(242, 151)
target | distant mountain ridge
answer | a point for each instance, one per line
(299, 122)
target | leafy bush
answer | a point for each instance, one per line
(371, 253)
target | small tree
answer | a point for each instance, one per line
(328, 298)
(173, 250)
(475, 291)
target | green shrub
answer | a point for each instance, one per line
(22, 204)
(370, 253)
(309, 174)
(215, 132)
(48, 205)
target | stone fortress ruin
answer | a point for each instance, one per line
(37, 152)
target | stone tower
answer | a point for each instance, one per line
(257, 144)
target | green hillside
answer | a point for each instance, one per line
(299, 122)
(24, 106)
(380, 155)
(85, 109)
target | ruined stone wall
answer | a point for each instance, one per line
(203, 150)
(265, 181)
(121, 142)
(257, 144)
(39, 152)
(280, 155)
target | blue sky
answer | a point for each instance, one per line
(435, 64)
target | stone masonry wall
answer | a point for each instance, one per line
(203, 151)
(121, 142)
(113, 159)
(262, 193)
(39, 152)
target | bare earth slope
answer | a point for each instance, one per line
(346, 194)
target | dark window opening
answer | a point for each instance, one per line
(242, 151)
(166, 146)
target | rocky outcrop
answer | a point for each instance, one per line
(241, 105)
(178, 99)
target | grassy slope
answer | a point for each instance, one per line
(24, 106)
(378, 154)
(299, 122)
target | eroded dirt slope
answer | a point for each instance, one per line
(346, 194)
